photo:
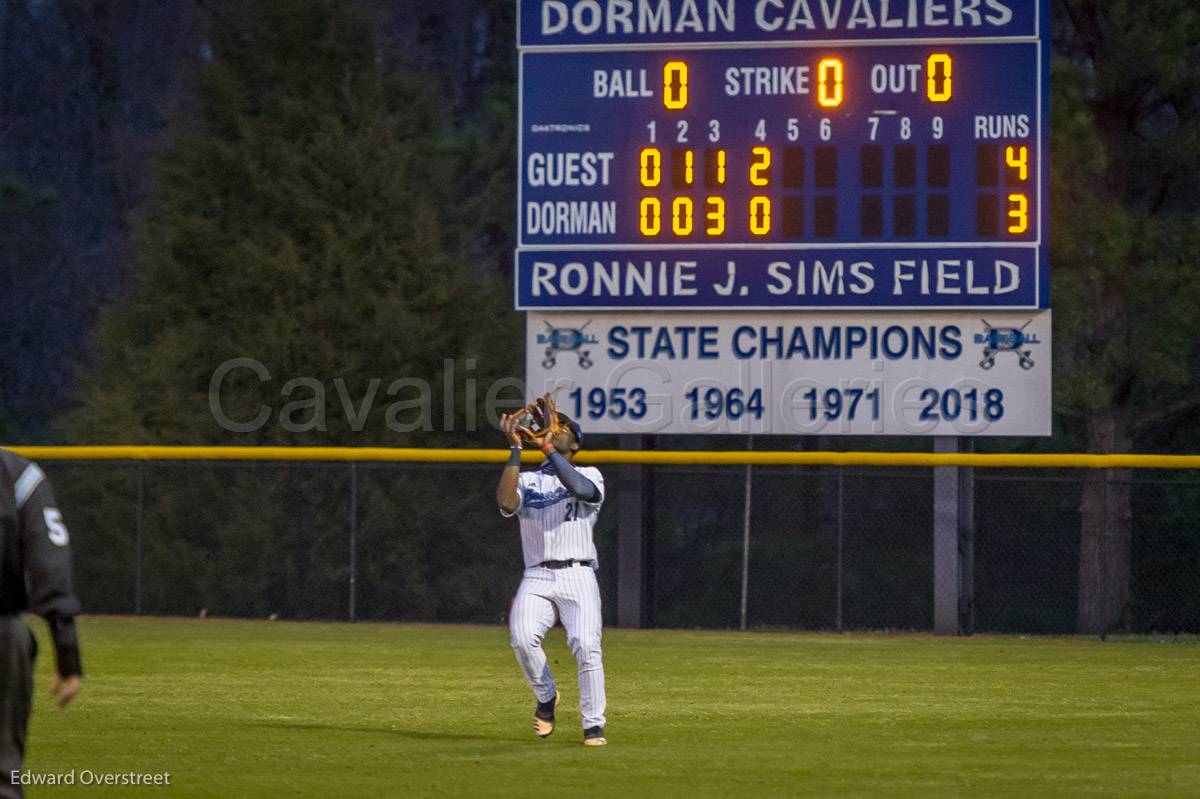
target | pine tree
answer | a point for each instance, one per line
(1125, 234)
(304, 219)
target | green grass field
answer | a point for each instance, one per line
(260, 709)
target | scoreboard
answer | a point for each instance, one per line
(915, 163)
(702, 166)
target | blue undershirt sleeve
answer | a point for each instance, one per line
(583, 488)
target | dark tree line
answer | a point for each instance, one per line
(1125, 244)
(92, 92)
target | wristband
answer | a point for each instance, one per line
(514, 457)
(66, 645)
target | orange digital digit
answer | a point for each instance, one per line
(760, 216)
(715, 216)
(651, 166)
(829, 82)
(759, 166)
(675, 85)
(650, 216)
(939, 83)
(681, 216)
(1018, 213)
(1018, 158)
(715, 175)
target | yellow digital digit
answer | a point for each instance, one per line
(689, 171)
(720, 167)
(939, 84)
(675, 85)
(759, 166)
(1018, 159)
(651, 166)
(715, 216)
(650, 216)
(829, 82)
(1018, 212)
(681, 216)
(760, 216)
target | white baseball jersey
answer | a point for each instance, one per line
(555, 525)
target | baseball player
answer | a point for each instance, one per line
(557, 506)
(35, 575)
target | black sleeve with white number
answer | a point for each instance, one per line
(45, 554)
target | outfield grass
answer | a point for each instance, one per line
(259, 709)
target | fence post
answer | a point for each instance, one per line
(841, 471)
(945, 541)
(746, 535)
(137, 568)
(966, 544)
(1104, 505)
(353, 536)
(953, 543)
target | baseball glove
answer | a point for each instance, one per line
(538, 421)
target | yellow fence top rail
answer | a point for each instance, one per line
(675, 457)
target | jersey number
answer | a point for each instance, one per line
(58, 531)
(572, 511)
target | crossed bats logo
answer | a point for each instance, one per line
(566, 339)
(1006, 339)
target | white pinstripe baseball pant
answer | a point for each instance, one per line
(573, 595)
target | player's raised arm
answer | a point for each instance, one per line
(558, 448)
(583, 488)
(507, 496)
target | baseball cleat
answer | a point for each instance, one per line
(594, 736)
(543, 716)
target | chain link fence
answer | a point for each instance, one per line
(830, 548)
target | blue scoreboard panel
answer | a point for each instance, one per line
(737, 154)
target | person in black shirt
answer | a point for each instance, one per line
(35, 575)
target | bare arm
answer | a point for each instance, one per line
(506, 491)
